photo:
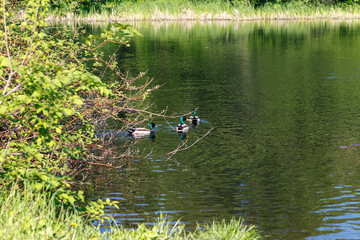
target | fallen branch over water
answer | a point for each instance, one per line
(183, 146)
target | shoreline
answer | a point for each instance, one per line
(155, 13)
(112, 20)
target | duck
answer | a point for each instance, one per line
(195, 120)
(140, 132)
(182, 127)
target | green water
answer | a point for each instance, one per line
(283, 99)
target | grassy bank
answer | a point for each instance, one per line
(30, 214)
(159, 10)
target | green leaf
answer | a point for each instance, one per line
(38, 186)
(68, 111)
(64, 196)
(3, 109)
(4, 62)
(78, 101)
(21, 97)
(58, 130)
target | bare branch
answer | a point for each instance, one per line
(13, 90)
(169, 124)
(157, 114)
(183, 146)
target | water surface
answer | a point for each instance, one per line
(283, 99)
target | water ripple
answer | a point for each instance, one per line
(340, 215)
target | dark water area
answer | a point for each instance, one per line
(284, 101)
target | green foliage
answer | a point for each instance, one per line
(95, 210)
(50, 104)
(41, 93)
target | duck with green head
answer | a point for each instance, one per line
(195, 120)
(182, 127)
(140, 132)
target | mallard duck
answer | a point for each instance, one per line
(194, 119)
(139, 132)
(182, 127)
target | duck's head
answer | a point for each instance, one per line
(194, 112)
(152, 125)
(182, 120)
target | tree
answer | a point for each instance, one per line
(51, 104)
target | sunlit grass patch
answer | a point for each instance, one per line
(301, 11)
(235, 229)
(159, 10)
(29, 214)
(26, 214)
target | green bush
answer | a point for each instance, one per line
(50, 103)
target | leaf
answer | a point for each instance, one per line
(56, 82)
(38, 186)
(68, 111)
(78, 101)
(21, 97)
(71, 199)
(3, 109)
(4, 62)
(64, 196)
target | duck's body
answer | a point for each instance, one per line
(182, 127)
(140, 132)
(195, 120)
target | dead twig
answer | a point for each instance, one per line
(183, 146)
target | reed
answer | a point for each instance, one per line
(159, 10)
(30, 214)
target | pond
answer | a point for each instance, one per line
(283, 99)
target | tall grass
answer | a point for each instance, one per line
(29, 214)
(158, 10)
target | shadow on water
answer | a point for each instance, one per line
(283, 97)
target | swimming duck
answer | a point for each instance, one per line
(140, 132)
(182, 127)
(194, 119)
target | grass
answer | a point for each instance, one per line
(27, 214)
(158, 10)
